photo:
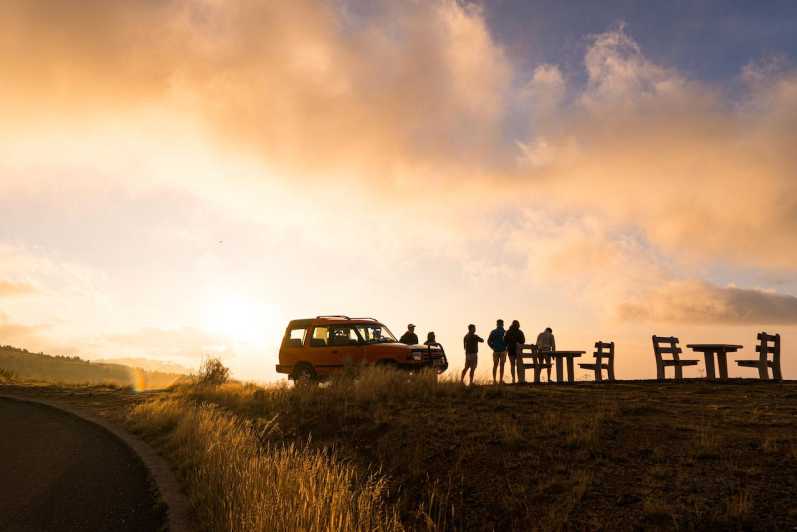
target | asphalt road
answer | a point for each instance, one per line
(59, 472)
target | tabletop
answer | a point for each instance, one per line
(716, 347)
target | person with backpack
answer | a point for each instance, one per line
(498, 345)
(513, 337)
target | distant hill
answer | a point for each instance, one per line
(147, 364)
(74, 370)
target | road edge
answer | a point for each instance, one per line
(178, 514)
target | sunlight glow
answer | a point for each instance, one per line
(242, 320)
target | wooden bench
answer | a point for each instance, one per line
(659, 349)
(537, 362)
(763, 363)
(603, 350)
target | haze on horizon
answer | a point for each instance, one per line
(182, 177)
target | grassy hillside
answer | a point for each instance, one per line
(147, 364)
(385, 451)
(24, 365)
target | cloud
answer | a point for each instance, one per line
(22, 335)
(701, 302)
(706, 176)
(306, 84)
(398, 96)
(11, 289)
(545, 91)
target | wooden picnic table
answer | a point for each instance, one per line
(721, 350)
(559, 356)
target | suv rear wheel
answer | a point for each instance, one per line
(304, 374)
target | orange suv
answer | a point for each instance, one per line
(315, 347)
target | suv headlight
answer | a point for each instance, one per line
(416, 356)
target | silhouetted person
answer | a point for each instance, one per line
(409, 337)
(513, 337)
(498, 345)
(546, 343)
(431, 341)
(471, 343)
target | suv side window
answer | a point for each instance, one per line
(320, 336)
(296, 337)
(343, 336)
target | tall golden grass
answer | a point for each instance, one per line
(242, 475)
(237, 483)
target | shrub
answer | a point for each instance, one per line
(6, 375)
(213, 373)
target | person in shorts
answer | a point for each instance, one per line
(471, 343)
(497, 344)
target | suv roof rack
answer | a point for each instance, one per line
(343, 317)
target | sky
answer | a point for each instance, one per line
(180, 178)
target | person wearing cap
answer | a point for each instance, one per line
(409, 337)
(471, 344)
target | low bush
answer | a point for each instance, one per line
(213, 373)
(6, 375)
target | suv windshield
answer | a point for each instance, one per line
(375, 333)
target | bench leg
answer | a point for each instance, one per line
(537, 371)
(611, 371)
(710, 374)
(679, 373)
(722, 360)
(776, 372)
(559, 369)
(763, 373)
(598, 376)
(659, 371)
(570, 370)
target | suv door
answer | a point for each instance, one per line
(332, 345)
(345, 343)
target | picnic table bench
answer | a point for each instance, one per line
(538, 362)
(659, 350)
(762, 362)
(603, 351)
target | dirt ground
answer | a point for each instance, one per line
(632, 455)
(621, 456)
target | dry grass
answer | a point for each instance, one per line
(740, 505)
(237, 484)
(706, 442)
(644, 455)
(584, 430)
